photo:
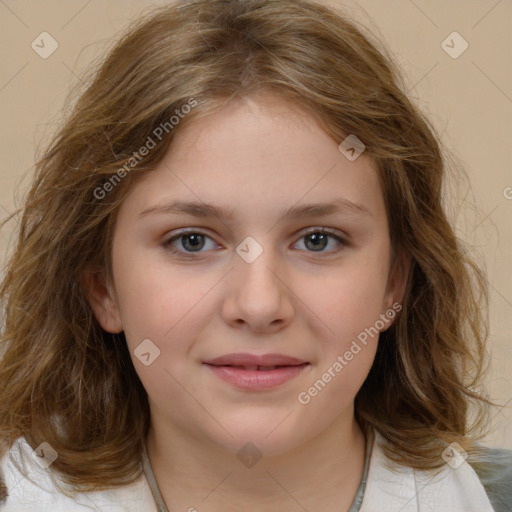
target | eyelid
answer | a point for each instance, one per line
(340, 237)
(303, 232)
(321, 229)
(185, 231)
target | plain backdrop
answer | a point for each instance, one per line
(466, 94)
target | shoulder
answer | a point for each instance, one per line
(32, 487)
(456, 487)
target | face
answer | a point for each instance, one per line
(255, 275)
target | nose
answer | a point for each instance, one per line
(258, 295)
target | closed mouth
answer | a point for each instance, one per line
(257, 367)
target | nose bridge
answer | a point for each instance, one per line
(258, 295)
(255, 263)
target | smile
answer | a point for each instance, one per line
(257, 377)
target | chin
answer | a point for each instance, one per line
(257, 445)
(269, 437)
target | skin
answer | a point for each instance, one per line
(257, 156)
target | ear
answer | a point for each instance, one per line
(397, 280)
(102, 301)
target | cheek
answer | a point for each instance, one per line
(349, 299)
(332, 389)
(349, 350)
(348, 370)
(350, 308)
(154, 301)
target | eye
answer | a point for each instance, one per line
(187, 242)
(317, 239)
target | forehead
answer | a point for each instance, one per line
(255, 154)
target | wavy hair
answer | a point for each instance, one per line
(67, 382)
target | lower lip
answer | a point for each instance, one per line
(257, 379)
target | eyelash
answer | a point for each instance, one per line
(310, 231)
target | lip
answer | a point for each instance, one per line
(241, 369)
(244, 359)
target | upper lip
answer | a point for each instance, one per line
(244, 359)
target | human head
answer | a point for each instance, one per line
(214, 52)
(285, 295)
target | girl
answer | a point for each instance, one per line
(235, 287)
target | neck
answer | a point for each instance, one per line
(322, 474)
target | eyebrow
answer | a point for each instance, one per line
(202, 209)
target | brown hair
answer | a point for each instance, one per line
(67, 382)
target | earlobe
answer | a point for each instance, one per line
(102, 301)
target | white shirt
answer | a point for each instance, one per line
(387, 489)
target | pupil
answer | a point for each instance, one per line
(318, 240)
(195, 241)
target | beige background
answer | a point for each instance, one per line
(469, 100)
